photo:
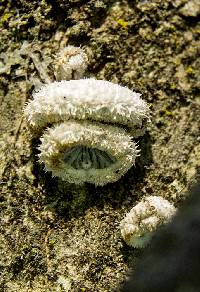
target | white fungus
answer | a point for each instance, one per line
(88, 124)
(91, 126)
(70, 63)
(87, 99)
(81, 152)
(139, 224)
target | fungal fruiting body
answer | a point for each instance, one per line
(70, 63)
(87, 99)
(139, 224)
(87, 152)
(88, 139)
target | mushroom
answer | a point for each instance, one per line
(88, 124)
(139, 224)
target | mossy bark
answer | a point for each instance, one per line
(57, 237)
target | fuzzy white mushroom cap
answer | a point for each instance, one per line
(80, 152)
(70, 63)
(91, 126)
(87, 99)
(138, 225)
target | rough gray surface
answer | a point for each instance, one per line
(57, 237)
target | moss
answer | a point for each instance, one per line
(172, 86)
(190, 71)
(123, 24)
(6, 17)
(172, 28)
(166, 112)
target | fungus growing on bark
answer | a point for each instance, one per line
(138, 225)
(89, 116)
(88, 124)
(90, 121)
(83, 151)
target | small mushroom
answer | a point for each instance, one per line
(139, 224)
(70, 63)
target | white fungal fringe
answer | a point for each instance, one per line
(87, 99)
(70, 63)
(138, 225)
(80, 152)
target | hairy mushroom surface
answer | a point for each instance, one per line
(138, 225)
(89, 126)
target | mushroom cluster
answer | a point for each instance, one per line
(87, 126)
